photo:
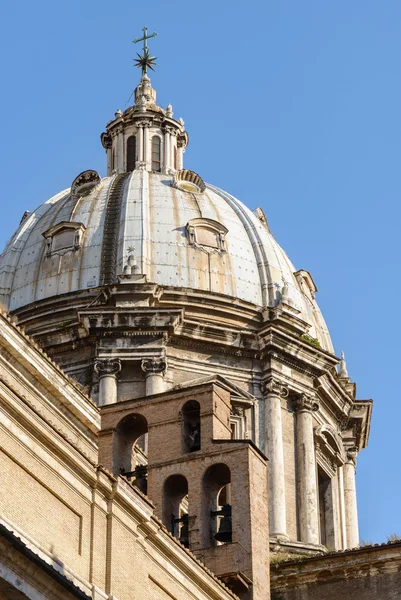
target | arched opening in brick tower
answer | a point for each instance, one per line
(216, 506)
(191, 426)
(130, 450)
(175, 507)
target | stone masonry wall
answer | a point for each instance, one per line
(370, 573)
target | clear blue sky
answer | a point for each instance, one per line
(290, 105)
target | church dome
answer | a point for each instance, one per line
(169, 228)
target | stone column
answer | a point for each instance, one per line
(172, 135)
(139, 136)
(274, 391)
(146, 144)
(107, 369)
(306, 471)
(120, 158)
(180, 156)
(154, 368)
(351, 511)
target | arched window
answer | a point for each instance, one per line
(216, 503)
(175, 507)
(156, 163)
(191, 426)
(129, 451)
(131, 153)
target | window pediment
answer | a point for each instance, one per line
(207, 234)
(329, 447)
(64, 237)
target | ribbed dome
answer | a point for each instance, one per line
(206, 241)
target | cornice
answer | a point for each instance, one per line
(32, 357)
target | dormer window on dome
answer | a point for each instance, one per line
(64, 237)
(306, 283)
(207, 234)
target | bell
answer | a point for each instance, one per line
(184, 533)
(225, 531)
(194, 437)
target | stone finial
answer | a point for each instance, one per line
(285, 299)
(118, 113)
(130, 266)
(343, 373)
(181, 121)
(144, 94)
(169, 111)
(25, 216)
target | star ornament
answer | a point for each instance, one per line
(145, 61)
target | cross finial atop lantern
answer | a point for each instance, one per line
(144, 60)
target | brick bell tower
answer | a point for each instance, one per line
(209, 489)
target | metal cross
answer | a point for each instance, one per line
(145, 38)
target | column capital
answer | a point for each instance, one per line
(143, 123)
(306, 403)
(275, 387)
(351, 452)
(107, 366)
(154, 366)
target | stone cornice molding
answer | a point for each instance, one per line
(154, 366)
(290, 363)
(41, 366)
(107, 367)
(306, 403)
(275, 387)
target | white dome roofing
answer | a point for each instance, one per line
(153, 220)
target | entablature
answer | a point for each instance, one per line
(108, 320)
(359, 421)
